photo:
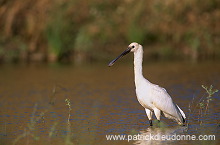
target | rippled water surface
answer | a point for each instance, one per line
(103, 101)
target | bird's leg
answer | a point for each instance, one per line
(149, 115)
(158, 123)
(150, 121)
(157, 113)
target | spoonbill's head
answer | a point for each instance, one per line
(131, 48)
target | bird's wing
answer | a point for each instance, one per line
(163, 101)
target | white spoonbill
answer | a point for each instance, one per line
(152, 97)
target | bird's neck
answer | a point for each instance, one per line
(138, 59)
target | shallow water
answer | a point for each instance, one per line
(103, 102)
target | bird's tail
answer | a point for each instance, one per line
(179, 116)
(183, 116)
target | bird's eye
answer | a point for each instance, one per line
(132, 46)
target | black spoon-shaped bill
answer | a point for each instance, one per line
(121, 55)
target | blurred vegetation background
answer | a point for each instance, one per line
(81, 31)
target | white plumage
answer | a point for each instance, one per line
(152, 97)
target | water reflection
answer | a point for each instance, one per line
(160, 135)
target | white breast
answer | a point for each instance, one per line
(144, 94)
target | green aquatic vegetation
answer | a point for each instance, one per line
(210, 91)
(204, 103)
(30, 132)
(52, 130)
(202, 106)
(69, 107)
(68, 138)
(31, 127)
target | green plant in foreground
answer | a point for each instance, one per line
(68, 136)
(210, 91)
(31, 131)
(203, 103)
(69, 106)
(31, 128)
